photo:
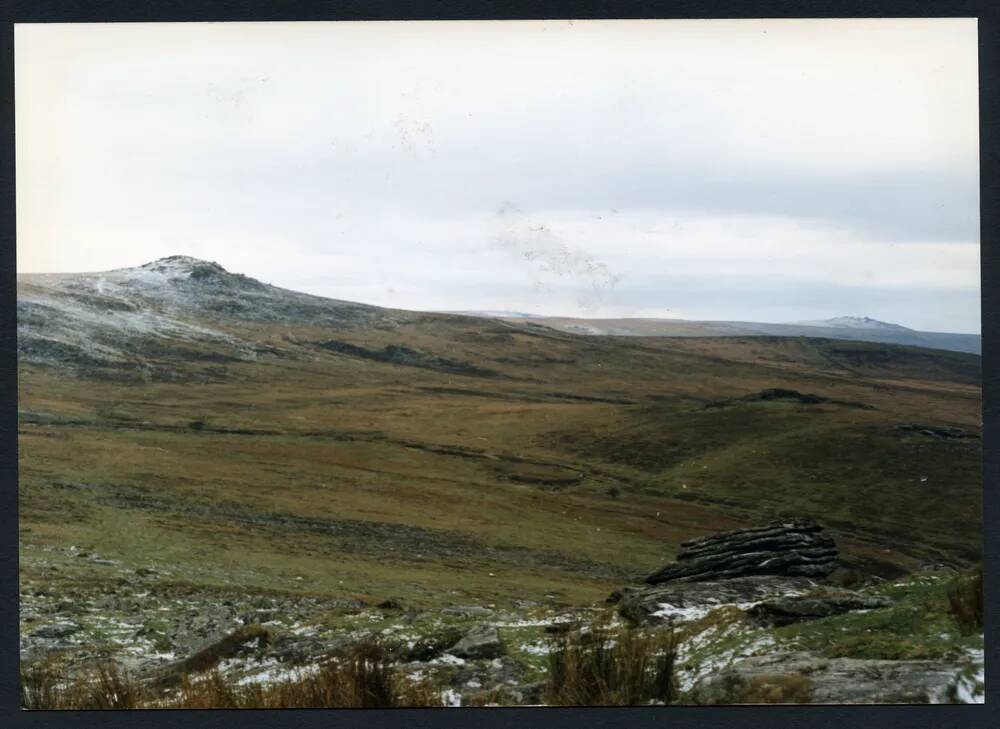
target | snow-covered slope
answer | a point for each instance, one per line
(853, 322)
(173, 306)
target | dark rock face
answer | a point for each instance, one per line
(797, 608)
(793, 548)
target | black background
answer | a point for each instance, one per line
(772, 717)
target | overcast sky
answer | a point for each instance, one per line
(758, 170)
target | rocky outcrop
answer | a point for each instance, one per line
(791, 548)
(482, 641)
(683, 601)
(797, 608)
(936, 431)
(801, 677)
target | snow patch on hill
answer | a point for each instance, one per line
(853, 322)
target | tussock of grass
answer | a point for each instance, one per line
(106, 687)
(364, 677)
(601, 666)
(965, 601)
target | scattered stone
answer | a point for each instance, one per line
(467, 611)
(390, 604)
(796, 547)
(798, 608)
(481, 641)
(936, 567)
(56, 631)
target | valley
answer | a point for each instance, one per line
(197, 446)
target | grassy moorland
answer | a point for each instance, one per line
(449, 460)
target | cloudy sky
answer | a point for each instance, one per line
(757, 170)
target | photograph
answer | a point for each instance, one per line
(495, 363)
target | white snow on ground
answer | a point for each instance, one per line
(265, 672)
(536, 649)
(447, 659)
(970, 688)
(678, 614)
(77, 309)
(534, 622)
(723, 660)
(687, 676)
(450, 697)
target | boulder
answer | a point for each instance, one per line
(481, 641)
(791, 548)
(790, 609)
(802, 677)
(671, 602)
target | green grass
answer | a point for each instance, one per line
(484, 462)
(919, 625)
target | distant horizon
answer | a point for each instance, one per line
(677, 169)
(479, 311)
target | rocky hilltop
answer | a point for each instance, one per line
(176, 308)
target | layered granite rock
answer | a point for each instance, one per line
(791, 548)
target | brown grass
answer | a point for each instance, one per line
(105, 687)
(601, 666)
(364, 677)
(768, 689)
(965, 601)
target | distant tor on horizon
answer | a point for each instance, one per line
(852, 322)
(92, 315)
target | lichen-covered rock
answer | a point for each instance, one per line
(681, 601)
(797, 608)
(481, 641)
(793, 548)
(801, 677)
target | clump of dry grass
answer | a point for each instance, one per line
(601, 666)
(106, 686)
(363, 677)
(40, 688)
(965, 601)
(792, 688)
